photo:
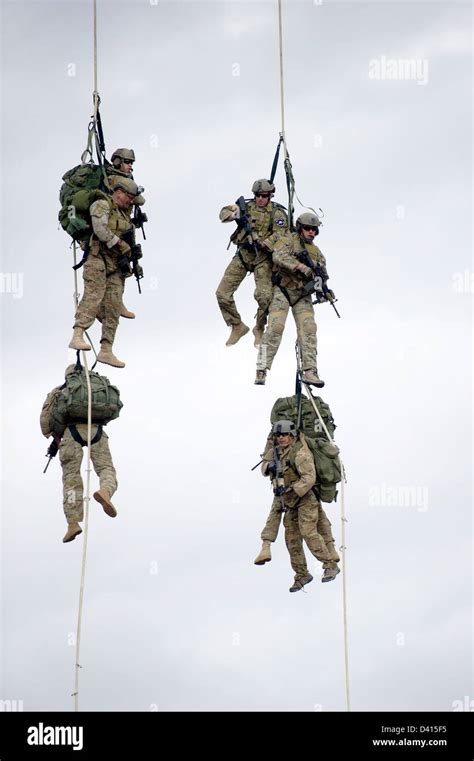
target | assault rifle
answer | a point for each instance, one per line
(136, 254)
(52, 452)
(318, 283)
(244, 222)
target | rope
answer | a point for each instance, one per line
(76, 298)
(86, 533)
(92, 132)
(282, 86)
(290, 182)
(342, 548)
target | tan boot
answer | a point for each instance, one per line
(103, 497)
(260, 377)
(300, 582)
(311, 377)
(330, 573)
(265, 554)
(124, 312)
(106, 355)
(77, 341)
(73, 530)
(236, 334)
(258, 333)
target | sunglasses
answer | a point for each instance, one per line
(262, 195)
(127, 161)
(282, 434)
(309, 227)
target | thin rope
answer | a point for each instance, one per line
(95, 44)
(86, 499)
(282, 86)
(86, 534)
(288, 168)
(343, 551)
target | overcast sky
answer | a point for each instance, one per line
(176, 615)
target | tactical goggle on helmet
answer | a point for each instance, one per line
(263, 186)
(284, 427)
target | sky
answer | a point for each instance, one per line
(378, 117)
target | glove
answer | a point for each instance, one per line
(307, 271)
(330, 295)
(230, 213)
(272, 469)
(123, 248)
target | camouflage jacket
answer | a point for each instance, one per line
(268, 225)
(108, 221)
(285, 262)
(300, 478)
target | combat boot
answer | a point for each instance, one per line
(330, 573)
(103, 497)
(73, 530)
(299, 583)
(260, 377)
(258, 333)
(311, 377)
(77, 341)
(265, 554)
(124, 312)
(106, 355)
(236, 334)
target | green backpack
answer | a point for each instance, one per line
(71, 403)
(286, 408)
(325, 454)
(82, 185)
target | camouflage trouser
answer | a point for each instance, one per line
(303, 312)
(70, 455)
(103, 289)
(232, 278)
(309, 522)
(271, 528)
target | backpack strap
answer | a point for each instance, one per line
(77, 436)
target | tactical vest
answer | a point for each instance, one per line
(290, 473)
(262, 222)
(119, 220)
(294, 281)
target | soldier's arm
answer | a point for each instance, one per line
(267, 456)
(283, 254)
(230, 213)
(306, 470)
(322, 263)
(100, 212)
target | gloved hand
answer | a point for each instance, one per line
(307, 271)
(330, 295)
(272, 469)
(123, 248)
(230, 213)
